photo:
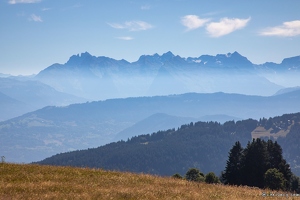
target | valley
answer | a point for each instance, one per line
(149, 99)
(66, 111)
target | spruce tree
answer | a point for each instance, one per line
(276, 160)
(254, 163)
(232, 171)
(248, 166)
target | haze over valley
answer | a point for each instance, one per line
(89, 78)
(154, 87)
(116, 100)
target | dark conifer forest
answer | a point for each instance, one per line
(202, 145)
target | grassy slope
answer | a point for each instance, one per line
(48, 182)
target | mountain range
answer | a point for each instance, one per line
(44, 114)
(161, 121)
(19, 97)
(50, 130)
(99, 78)
(89, 78)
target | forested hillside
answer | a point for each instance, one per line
(202, 145)
(51, 130)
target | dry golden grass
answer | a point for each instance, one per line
(260, 132)
(47, 182)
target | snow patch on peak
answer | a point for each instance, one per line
(228, 55)
(197, 61)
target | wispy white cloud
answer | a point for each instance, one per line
(125, 38)
(35, 18)
(117, 26)
(226, 26)
(192, 22)
(23, 1)
(132, 25)
(287, 29)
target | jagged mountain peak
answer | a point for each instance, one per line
(230, 55)
(292, 61)
(86, 54)
(288, 64)
(234, 59)
(87, 59)
(78, 59)
(168, 54)
(235, 53)
(156, 58)
(167, 57)
(148, 63)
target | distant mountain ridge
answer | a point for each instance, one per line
(10, 107)
(51, 130)
(161, 121)
(287, 90)
(19, 97)
(287, 64)
(86, 59)
(99, 78)
(130, 93)
(225, 60)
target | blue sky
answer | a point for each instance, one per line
(37, 33)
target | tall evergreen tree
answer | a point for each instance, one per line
(254, 163)
(248, 166)
(285, 169)
(233, 167)
(274, 154)
(276, 160)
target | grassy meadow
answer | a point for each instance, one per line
(22, 181)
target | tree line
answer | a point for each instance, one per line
(259, 164)
(205, 146)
